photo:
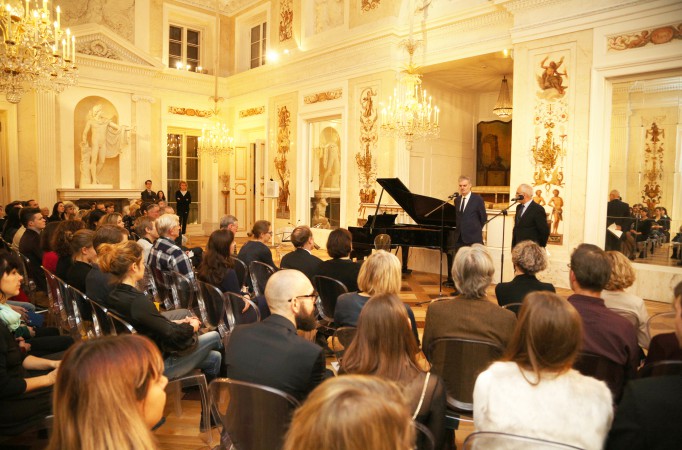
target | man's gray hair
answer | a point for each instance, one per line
(165, 222)
(526, 189)
(473, 271)
(227, 220)
(462, 178)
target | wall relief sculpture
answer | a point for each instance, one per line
(286, 20)
(281, 161)
(654, 151)
(367, 166)
(117, 15)
(651, 36)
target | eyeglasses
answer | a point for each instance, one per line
(312, 296)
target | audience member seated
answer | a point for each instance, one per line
(217, 268)
(470, 315)
(182, 349)
(98, 284)
(533, 391)
(94, 409)
(165, 255)
(257, 248)
(112, 219)
(57, 213)
(605, 333)
(302, 258)
(340, 267)
(83, 255)
(354, 412)
(230, 222)
(615, 297)
(130, 216)
(50, 257)
(70, 210)
(145, 228)
(270, 352)
(93, 218)
(650, 410)
(528, 259)
(383, 346)
(665, 346)
(12, 221)
(380, 274)
(34, 222)
(62, 247)
(24, 400)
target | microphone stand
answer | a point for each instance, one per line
(502, 213)
(442, 232)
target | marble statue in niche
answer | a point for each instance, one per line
(102, 138)
(330, 159)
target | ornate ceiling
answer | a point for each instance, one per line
(482, 73)
(228, 7)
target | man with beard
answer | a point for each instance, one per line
(270, 352)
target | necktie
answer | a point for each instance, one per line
(461, 209)
(523, 210)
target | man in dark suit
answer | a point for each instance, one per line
(29, 244)
(302, 259)
(470, 216)
(530, 223)
(148, 195)
(270, 352)
(618, 212)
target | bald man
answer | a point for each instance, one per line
(270, 352)
(530, 223)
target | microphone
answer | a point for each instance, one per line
(455, 195)
(518, 198)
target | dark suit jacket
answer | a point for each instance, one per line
(619, 212)
(344, 270)
(271, 353)
(515, 290)
(648, 415)
(183, 202)
(303, 260)
(470, 221)
(148, 196)
(532, 226)
(29, 246)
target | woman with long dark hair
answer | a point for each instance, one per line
(57, 213)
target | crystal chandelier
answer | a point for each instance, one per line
(410, 114)
(503, 107)
(35, 53)
(215, 140)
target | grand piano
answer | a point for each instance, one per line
(427, 233)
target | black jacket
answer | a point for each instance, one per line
(531, 226)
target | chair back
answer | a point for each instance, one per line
(254, 417)
(186, 294)
(119, 325)
(242, 271)
(27, 283)
(424, 437)
(328, 289)
(382, 242)
(260, 274)
(82, 312)
(55, 300)
(513, 307)
(214, 308)
(602, 368)
(663, 322)
(661, 368)
(234, 304)
(341, 339)
(100, 321)
(493, 439)
(458, 362)
(164, 287)
(628, 315)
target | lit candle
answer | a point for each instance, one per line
(44, 5)
(26, 9)
(73, 49)
(65, 54)
(59, 16)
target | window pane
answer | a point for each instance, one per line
(173, 168)
(192, 52)
(175, 33)
(193, 187)
(192, 143)
(255, 34)
(193, 211)
(192, 168)
(265, 29)
(193, 37)
(173, 62)
(174, 145)
(175, 49)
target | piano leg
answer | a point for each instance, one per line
(405, 253)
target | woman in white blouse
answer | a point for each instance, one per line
(533, 391)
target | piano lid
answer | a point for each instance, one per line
(417, 206)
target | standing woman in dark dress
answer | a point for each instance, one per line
(183, 198)
(24, 401)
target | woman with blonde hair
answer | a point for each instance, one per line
(533, 391)
(383, 346)
(95, 410)
(111, 219)
(353, 412)
(615, 297)
(380, 274)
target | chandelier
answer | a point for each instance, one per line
(35, 53)
(410, 114)
(215, 140)
(503, 107)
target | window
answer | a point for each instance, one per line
(258, 44)
(184, 45)
(183, 165)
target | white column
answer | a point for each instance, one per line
(46, 139)
(141, 142)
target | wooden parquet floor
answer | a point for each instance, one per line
(182, 433)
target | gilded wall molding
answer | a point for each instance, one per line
(286, 20)
(369, 137)
(323, 96)
(282, 162)
(651, 36)
(368, 5)
(251, 112)
(191, 112)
